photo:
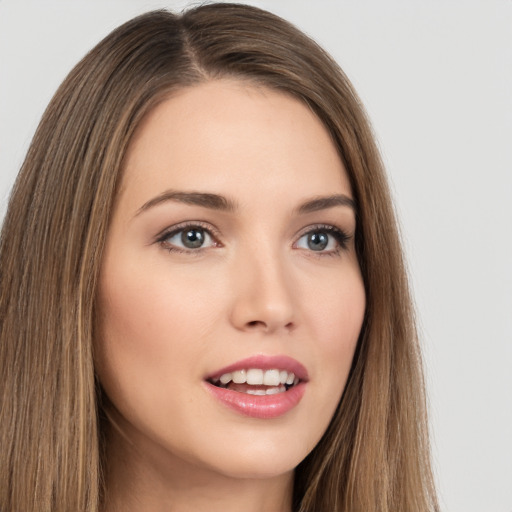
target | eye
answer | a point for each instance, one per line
(187, 238)
(326, 239)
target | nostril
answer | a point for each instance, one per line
(256, 323)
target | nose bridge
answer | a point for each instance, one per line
(263, 297)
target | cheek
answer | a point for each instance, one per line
(149, 307)
(338, 315)
(132, 315)
(149, 330)
(337, 320)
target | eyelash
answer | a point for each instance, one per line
(340, 236)
(179, 228)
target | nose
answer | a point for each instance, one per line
(263, 298)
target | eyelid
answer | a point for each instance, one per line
(341, 235)
(182, 226)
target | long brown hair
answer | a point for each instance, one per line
(375, 453)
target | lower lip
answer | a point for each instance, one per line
(259, 406)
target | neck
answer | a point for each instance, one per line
(143, 479)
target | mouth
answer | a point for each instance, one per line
(257, 381)
(261, 386)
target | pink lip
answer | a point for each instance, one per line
(263, 407)
(266, 406)
(265, 363)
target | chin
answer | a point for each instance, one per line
(268, 466)
(259, 455)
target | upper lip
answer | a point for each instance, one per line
(280, 362)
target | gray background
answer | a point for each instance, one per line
(436, 78)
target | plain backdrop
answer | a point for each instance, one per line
(436, 78)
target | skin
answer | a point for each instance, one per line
(170, 316)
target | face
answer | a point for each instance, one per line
(229, 266)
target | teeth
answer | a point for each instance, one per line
(259, 392)
(269, 391)
(271, 378)
(290, 379)
(239, 377)
(225, 378)
(257, 377)
(275, 391)
(254, 377)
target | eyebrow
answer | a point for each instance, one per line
(218, 202)
(325, 202)
(206, 200)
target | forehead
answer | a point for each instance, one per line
(233, 137)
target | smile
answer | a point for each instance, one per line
(260, 387)
(256, 381)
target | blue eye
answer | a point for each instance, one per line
(188, 238)
(323, 239)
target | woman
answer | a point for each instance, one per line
(203, 298)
